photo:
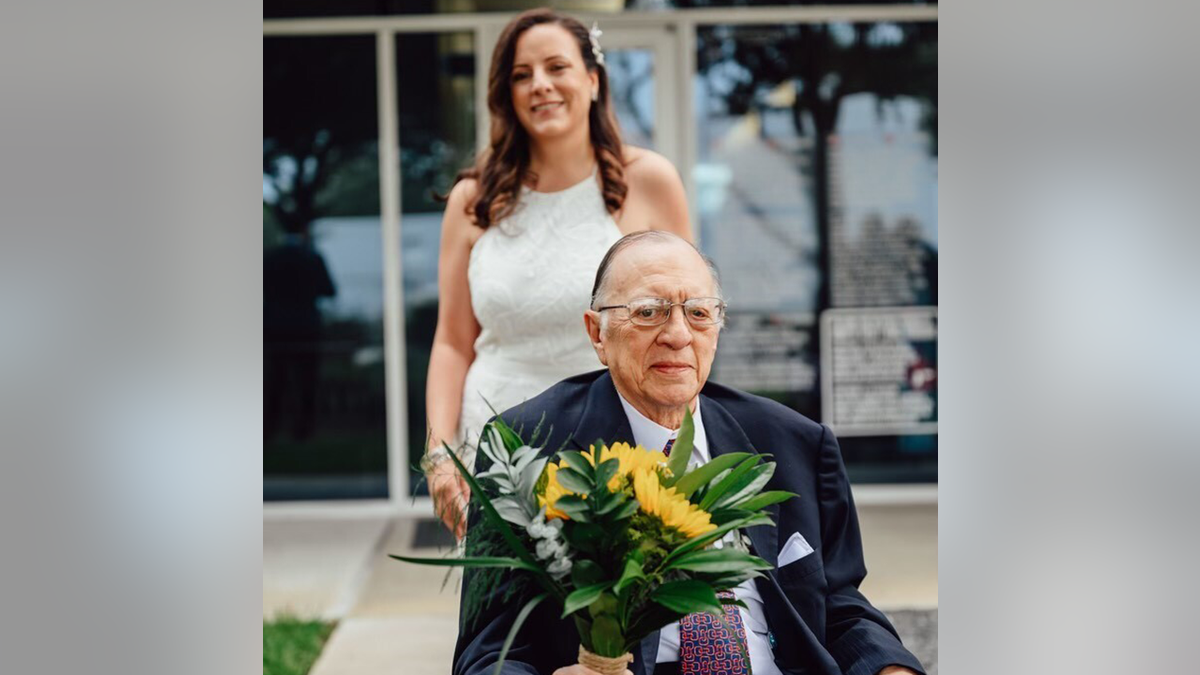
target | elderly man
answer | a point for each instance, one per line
(806, 615)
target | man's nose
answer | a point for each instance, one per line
(676, 333)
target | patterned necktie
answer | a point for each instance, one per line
(667, 447)
(707, 647)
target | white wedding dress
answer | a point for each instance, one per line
(531, 278)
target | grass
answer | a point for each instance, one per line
(291, 646)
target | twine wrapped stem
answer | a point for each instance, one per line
(605, 665)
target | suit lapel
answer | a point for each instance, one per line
(724, 435)
(602, 416)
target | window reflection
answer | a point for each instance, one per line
(324, 420)
(816, 188)
(436, 106)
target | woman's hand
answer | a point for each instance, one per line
(450, 496)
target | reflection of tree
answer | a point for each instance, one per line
(625, 83)
(319, 129)
(823, 64)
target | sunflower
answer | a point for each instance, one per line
(672, 508)
(553, 491)
(632, 460)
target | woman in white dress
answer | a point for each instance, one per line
(523, 232)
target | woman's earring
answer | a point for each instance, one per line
(595, 95)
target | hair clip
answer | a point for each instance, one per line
(594, 37)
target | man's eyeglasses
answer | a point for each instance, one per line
(702, 312)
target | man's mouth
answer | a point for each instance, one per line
(546, 106)
(670, 368)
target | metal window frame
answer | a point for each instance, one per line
(673, 91)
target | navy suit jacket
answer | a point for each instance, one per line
(821, 623)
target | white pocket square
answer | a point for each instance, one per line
(795, 549)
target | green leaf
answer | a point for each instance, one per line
(582, 597)
(509, 563)
(748, 486)
(764, 499)
(577, 461)
(575, 481)
(631, 572)
(628, 510)
(717, 491)
(718, 560)
(606, 636)
(506, 533)
(687, 596)
(701, 475)
(703, 540)
(607, 469)
(516, 627)
(611, 502)
(574, 506)
(681, 451)
(586, 573)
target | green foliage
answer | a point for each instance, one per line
(701, 475)
(582, 597)
(681, 452)
(291, 645)
(727, 483)
(687, 596)
(718, 560)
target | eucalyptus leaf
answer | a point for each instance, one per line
(509, 563)
(510, 510)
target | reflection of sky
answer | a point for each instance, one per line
(753, 194)
(886, 165)
(633, 63)
(353, 251)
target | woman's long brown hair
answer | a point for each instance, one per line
(504, 166)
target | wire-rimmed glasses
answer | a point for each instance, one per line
(700, 312)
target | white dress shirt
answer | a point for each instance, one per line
(653, 436)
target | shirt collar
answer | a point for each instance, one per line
(653, 436)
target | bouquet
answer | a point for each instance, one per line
(624, 540)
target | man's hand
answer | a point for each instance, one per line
(896, 670)
(582, 670)
(450, 496)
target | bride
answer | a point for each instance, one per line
(523, 233)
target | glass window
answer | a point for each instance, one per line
(324, 418)
(436, 106)
(816, 191)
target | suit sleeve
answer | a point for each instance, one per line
(480, 641)
(859, 637)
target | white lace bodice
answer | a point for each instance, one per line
(531, 278)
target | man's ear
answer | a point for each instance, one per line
(591, 321)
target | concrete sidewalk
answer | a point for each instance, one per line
(395, 617)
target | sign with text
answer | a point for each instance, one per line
(879, 371)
